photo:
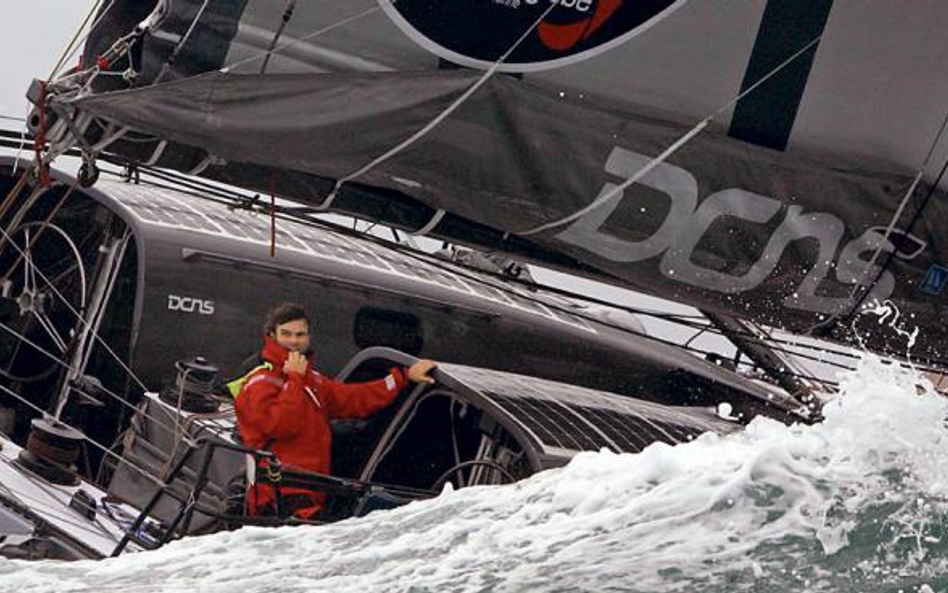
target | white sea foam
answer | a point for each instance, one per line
(858, 502)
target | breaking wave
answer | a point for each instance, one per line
(858, 502)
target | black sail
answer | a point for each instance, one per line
(796, 206)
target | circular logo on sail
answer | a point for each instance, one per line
(476, 33)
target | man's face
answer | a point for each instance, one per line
(293, 335)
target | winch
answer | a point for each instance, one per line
(193, 387)
(51, 452)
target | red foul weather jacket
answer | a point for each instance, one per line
(289, 414)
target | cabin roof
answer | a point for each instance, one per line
(569, 418)
(215, 228)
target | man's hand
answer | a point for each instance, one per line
(295, 363)
(418, 372)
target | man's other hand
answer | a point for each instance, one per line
(295, 363)
(418, 372)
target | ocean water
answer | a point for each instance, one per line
(858, 502)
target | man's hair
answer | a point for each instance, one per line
(285, 313)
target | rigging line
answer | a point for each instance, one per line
(53, 507)
(488, 74)
(648, 167)
(75, 38)
(655, 338)
(285, 19)
(47, 325)
(118, 251)
(18, 218)
(667, 317)
(888, 231)
(674, 319)
(95, 334)
(58, 504)
(90, 29)
(67, 366)
(701, 331)
(858, 282)
(34, 195)
(216, 200)
(24, 135)
(12, 118)
(177, 50)
(13, 193)
(295, 41)
(432, 260)
(212, 193)
(932, 190)
(144, 473)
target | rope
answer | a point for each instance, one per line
(24, 135)
(67, 366)
(13, 193)
(29, 200)
(888, 231)
(36, 408)
(326, 29)
(287, 15)
(615, 191)
(430, 225)
(95, 334)
(72, 42)
(437, 119)
(91, 29)
(432, 260)
(177, 50)
(918, 213)
(666, 317)
(227, 197)
(179, 433)
(39, 142)
(68, 519)
(648, 167)
(18, 218)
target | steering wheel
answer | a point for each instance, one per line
(470, 463)
(35, 278)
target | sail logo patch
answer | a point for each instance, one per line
(935, 280)
(476, 33)
(683, 228)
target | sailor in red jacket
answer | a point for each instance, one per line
(285, 406)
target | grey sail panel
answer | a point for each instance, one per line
(595, 90)
(776, 237)
(875, 88)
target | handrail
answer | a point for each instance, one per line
(294, 478)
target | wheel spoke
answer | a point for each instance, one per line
(25, 257)
(53, 277)
(51, 330)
